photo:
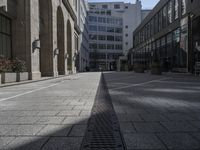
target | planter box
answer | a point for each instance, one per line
(22, 76)
(156, 71)
(8, 77)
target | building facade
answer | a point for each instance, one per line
(83, 61)
(169, 35)
(110, 25)
(42, 33)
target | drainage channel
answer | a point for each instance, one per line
(103, 131)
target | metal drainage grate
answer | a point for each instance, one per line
(103, 132)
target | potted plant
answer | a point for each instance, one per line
(138, 68)
(19, 66)
(7, 74)
(12, 70)
(156, 68)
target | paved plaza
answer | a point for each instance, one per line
(47, 115)
(157, 112)
(154, 112)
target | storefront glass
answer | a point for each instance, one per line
(5, 36)
(184, 43)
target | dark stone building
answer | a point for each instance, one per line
(170, 35)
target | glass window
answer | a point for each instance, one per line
(118, 47)
(102, 20)
(102, 46)
(118, 30)
(164, 17)
(170, 12)
(183, 7)
(104, 6)
(116, 6)
(176, 9)
(119, 22)
(5, 36)
(118, 38)
(102, 37)
(109, 20)
(102, 28)
(92, 19)
(93, 46)
(110, 46)
(92, 37)
(93, 28)
(156, 23)
(176, 49)
(110, 29)
(108, 12)
(110, 38)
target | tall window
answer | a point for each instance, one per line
(93, 28)
(164, 17)
(5, 36)
(76, 42)
(183, 7)
(176, 9)
(169, 12)
(160, 21)
(92, 19)
(104, 6)
(102, 28)
(116, 6)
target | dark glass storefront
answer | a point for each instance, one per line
(5, 36)
(168, 36)
(170, 50)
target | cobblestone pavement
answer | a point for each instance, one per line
(47, 115)
(157, 112)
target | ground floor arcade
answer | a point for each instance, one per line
(43, 34)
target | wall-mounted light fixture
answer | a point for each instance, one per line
(66, 56)
(4, 8)
(74, 58)
(56, 52)
(197, 46)
(36, 45)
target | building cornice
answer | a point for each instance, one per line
(70, 9)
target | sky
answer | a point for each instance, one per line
(146, 4)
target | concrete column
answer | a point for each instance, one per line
(25, 33)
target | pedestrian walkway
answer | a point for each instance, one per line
(157, 112)
(47, 115)
(154, 113)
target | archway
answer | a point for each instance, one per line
(60, 42)
(69, 47)
(46, 40)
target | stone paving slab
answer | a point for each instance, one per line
(179, 141)
(149, 127)
(26, 143)
(168, 107)
(63, 143)
(52, 118)
(78, 131)
(179, 127)
(55, 130)
(143, 141)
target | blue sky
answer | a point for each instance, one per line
(147, 4)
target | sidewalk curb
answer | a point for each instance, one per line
(31, 81)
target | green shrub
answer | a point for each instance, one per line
(15, 65)
(19, 65)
